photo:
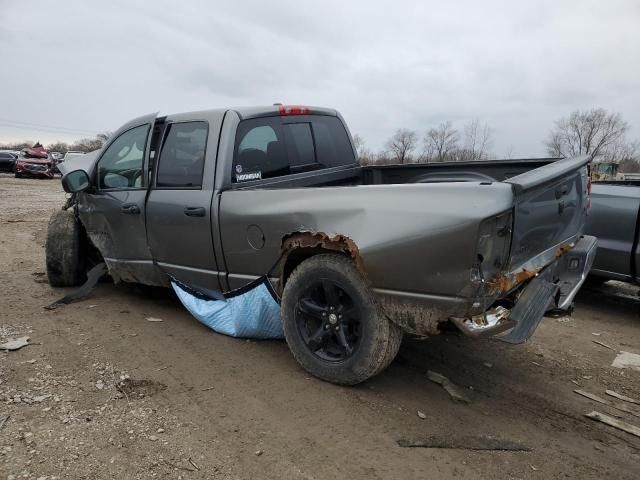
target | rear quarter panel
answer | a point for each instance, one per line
(411, 238)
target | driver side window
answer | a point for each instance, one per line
(121, 165)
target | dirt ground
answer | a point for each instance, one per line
(104, 393)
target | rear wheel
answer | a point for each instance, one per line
(65, 254)
(332, 323)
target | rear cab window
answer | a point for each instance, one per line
(270, 147)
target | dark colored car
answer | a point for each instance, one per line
(214, 198)
(614, 218)
(8, 162)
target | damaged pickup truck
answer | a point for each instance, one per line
(214, 198)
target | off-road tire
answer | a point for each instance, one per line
(65, 252)
(379, 339)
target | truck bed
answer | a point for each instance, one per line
(471, 171)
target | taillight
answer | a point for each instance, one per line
(293, 110)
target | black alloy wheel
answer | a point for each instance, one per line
(328, 321)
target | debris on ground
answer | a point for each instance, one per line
(93, 277)
(603, 344)
(622, 397)
(592, 396)
(421, 415)
(15, 344)
(604, 401)
(449, 386)
(614, 422)
(154, 319)
(627, 360)
(472, 442)
(139, 388)
(3, 421)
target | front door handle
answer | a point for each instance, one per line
(194, 211)
(132, 208)
(561, 191)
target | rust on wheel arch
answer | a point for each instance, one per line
(337, 243)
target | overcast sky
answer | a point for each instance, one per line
(81, 67)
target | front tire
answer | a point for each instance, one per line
(66, 262)
(332, 323)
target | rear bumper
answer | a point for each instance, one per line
(554, 287)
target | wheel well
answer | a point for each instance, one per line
(87, 248)
(298, 255)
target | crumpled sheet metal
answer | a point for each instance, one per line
(248, 312)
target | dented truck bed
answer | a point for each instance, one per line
(488, 245)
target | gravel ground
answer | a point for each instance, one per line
(103, 393)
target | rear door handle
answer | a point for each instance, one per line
(132, 208)
(194, 211)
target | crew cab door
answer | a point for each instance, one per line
(180, 217)
(113, 210)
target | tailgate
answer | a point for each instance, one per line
(550, 209)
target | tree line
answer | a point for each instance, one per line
(600, 134)
(88, 144)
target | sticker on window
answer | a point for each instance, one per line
(245, 177)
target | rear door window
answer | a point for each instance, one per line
(260, 150)
(275, 146)
(181, 161)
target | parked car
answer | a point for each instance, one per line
(34, 167)
(614, 218)
(62, 158)
(35, 162)
(8, 161)
(213, 198)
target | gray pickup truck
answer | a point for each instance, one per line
(614, 218)
(214, 198)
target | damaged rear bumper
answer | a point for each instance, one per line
(554, 287)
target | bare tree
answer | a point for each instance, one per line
(592, 132)
(16, 145)
(477, 141)
(401, 145)
(627, 155)
(104, 136)
(365, 156)
(508, 153)
(61, 147)
(83, 145)
(441, 142)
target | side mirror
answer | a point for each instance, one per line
(76, 181)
